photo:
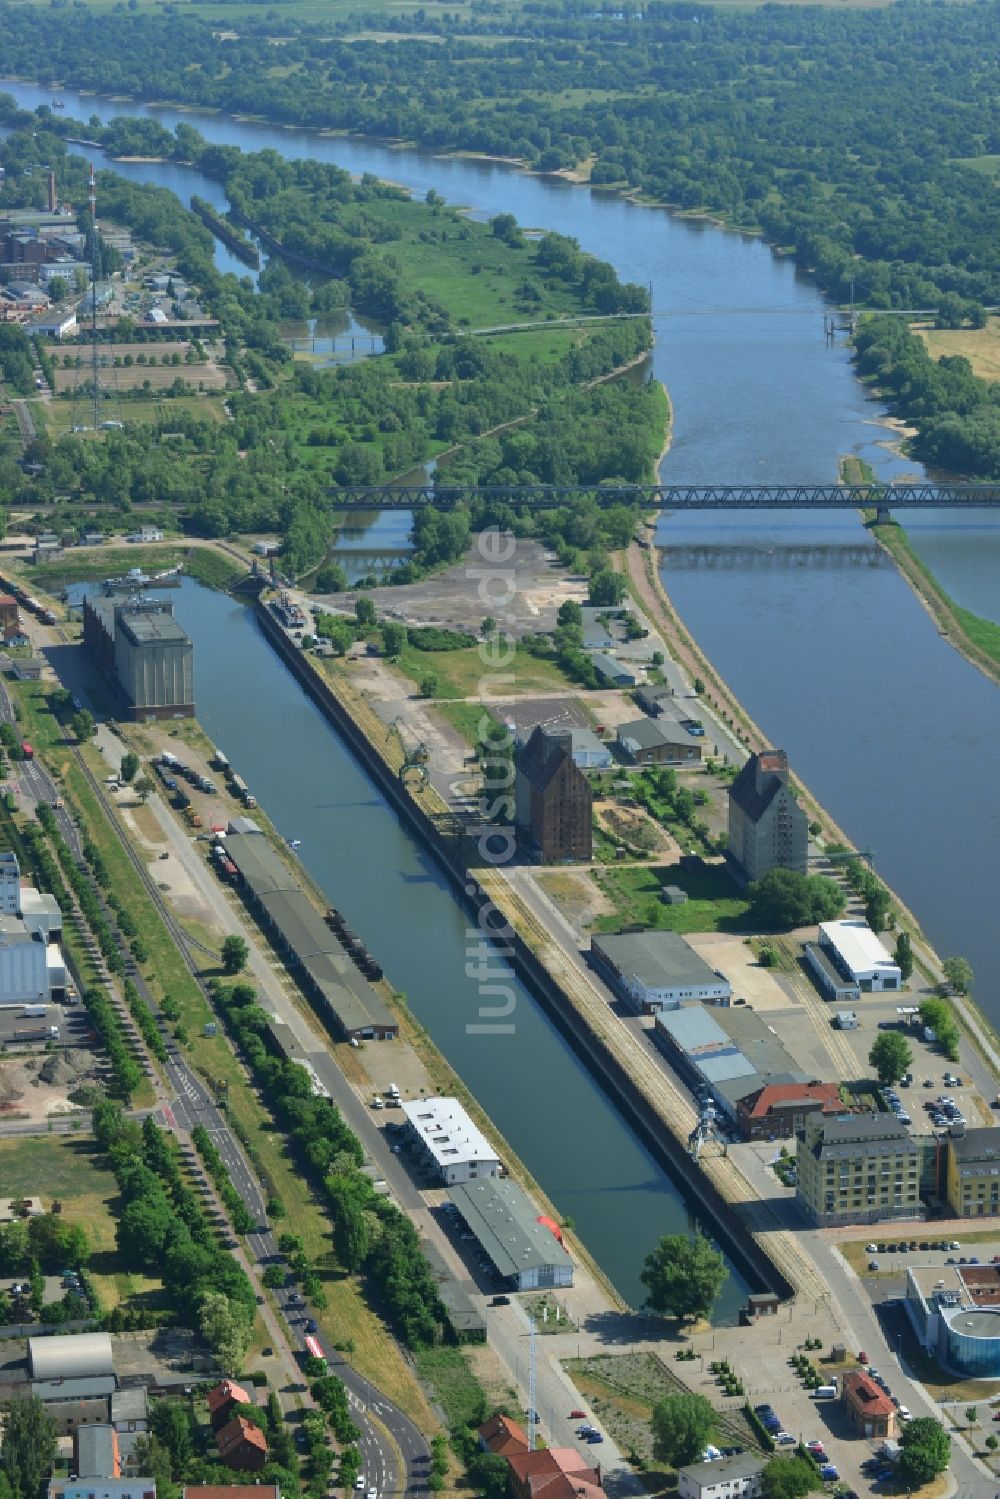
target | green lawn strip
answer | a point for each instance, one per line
(448, 1374)
(103, 562)
(983, 635)
(467, 718)
(212, 568)
(712, 904)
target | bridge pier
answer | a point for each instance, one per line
(883, 516)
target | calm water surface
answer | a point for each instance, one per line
(833, 656)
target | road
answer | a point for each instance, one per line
(555, 1396)
(385, 1430)
(853, 1314)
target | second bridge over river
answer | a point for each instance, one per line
(879, 497)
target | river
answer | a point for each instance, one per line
(836, 659)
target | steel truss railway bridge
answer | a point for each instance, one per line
(879, 497)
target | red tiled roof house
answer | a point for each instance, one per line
(870, 1409)
(502, 1436)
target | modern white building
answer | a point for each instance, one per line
(857, 955)
(447, 1140)
(727, 1478)
(56, 323)
(657, 971)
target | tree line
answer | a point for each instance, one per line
(844, 136)
(303, 430)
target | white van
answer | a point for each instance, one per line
(825, 1392)
(378, 1102)
(392, 1091)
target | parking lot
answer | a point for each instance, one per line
(55, 1288)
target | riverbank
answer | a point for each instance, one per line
(661, 1113)
(975, 638)
(646, 586)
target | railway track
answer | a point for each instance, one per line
(671, 1105)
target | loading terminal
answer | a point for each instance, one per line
(323, 968)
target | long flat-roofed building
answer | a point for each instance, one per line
(83, 1356)
(732, 1053)
(523, 1245)
(857, 955)
(448, 1141)
(326, 972)
(137, 640)
(657, 970)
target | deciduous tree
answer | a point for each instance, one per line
(926, 1451)
(904, 955)
(235, 953)
(788, 1478)
(682, 1424)
(29, 1446)
(683, 1276)
(958, 972)
(890, 1056)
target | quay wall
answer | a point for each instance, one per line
(666, 1139)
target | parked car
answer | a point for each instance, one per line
(829, 1473)
(862, 1357)
(785, 1438)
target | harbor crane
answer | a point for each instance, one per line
(414, 760)
(706, 1132)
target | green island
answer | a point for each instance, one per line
(236, 434)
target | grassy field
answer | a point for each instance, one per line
(141, 366)
(712, 905)
(460, 673)
(58, 418)
(227, 16)
(100, 562)
(989, 166)
(467, 269)
(465, 717)
(213, 568)
(66, 1169)
(980, 346)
